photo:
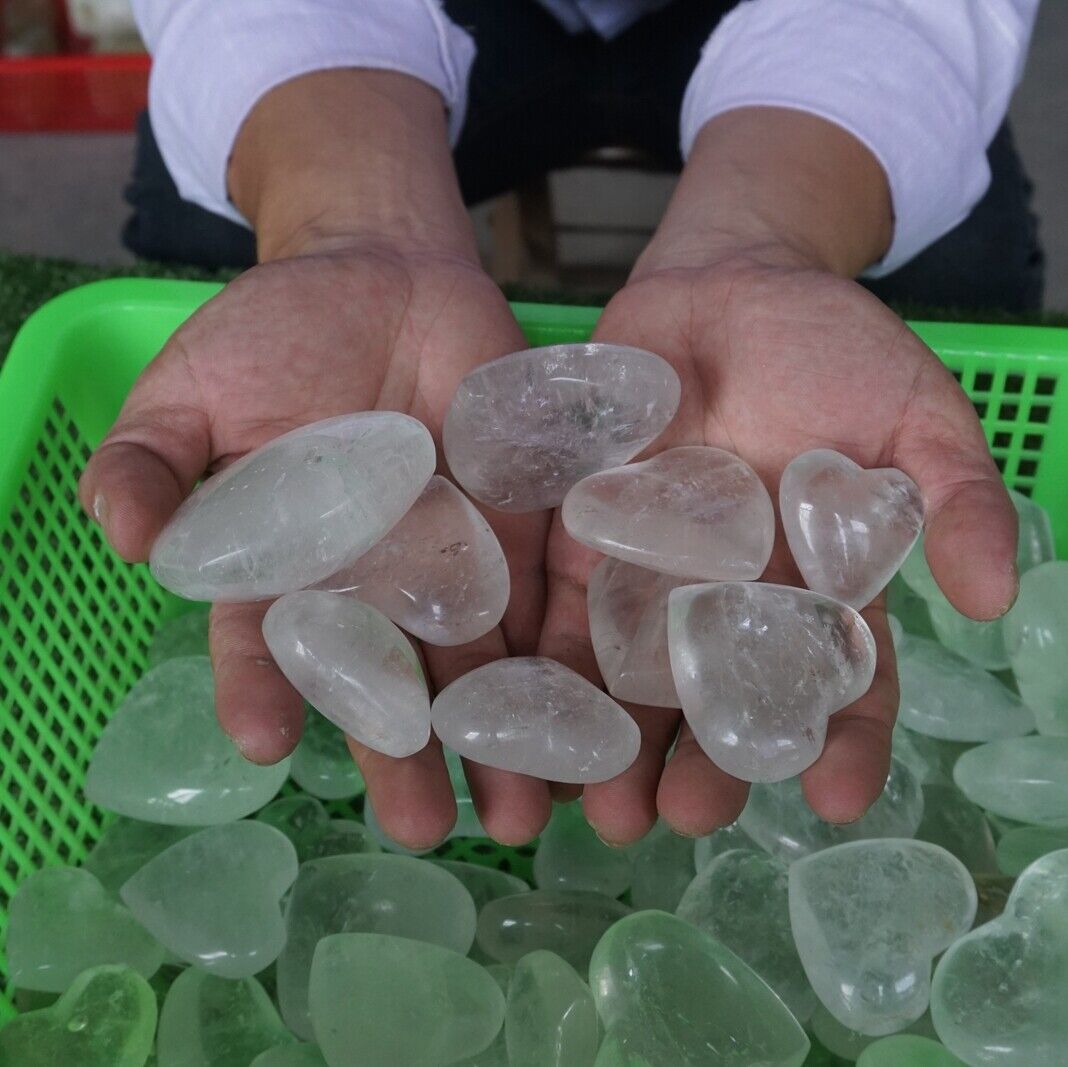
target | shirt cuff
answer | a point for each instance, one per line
(213, 61)
(871, 71)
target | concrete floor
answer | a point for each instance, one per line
(61, 195)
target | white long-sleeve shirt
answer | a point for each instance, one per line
(924, 84)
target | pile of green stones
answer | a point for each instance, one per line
(225, 919)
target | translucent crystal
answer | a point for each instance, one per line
(930, 759)
(533, 715)
(495, 1054)
(849, 529)
(706, 849)
(209, 1021)
(868, 918)
(567, 922)
(998, 993)
(694, 512)
(295, 510)
(378, 999)
(213, 899)
(322, 764)
(848, 1044)
(294, 816)
(524, 428)
(378, 894)
(163, 758)
(627, 607)
(570, 855)
(1024, 778)
(907, 1050)
(126, 846)
(313, 833)
(945, 696)
(483, 883)
(1020, 847)
(352, 664)
(662, 866)
(779, 820)
(550, 1019)
(908, 607)
(980, 643)
(439, 573)
(684, 998)
(760, 668)
(741, 899)
(302, 1055)
(106, 1018)
(185, 635)
(1036, 632)
(951, 820)
(62, 922)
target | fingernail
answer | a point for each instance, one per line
(100, 509)
(688, 837)
(610, 844)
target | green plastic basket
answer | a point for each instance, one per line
(75, 621)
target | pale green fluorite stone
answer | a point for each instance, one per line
(313, 833)
(213, 899)
(567, 922)
(868, 918)
(683, 998)
(570, 855)
(778, 818)
(1020, 847)
(930, 759)
(495, 1054)
(62, 922)
(550, 1019)
(302, 1055)
(662, 866)
(951, 820)
(483, 883)
(322, 764)
(163, 757)
(848, 1044)
(208, 1021)
(706, 849)
(741, 898)
(380, 894)
(377, 999)
(106, 1018)
(998, 996)
(907, 1050)
(980, 643)
(126, 846)
(1023, 778)
(185, 635)
(909, 608)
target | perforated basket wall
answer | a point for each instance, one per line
(75, 621)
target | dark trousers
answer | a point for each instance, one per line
(540, 99)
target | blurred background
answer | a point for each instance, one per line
(73, 75)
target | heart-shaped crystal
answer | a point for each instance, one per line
(760, 668)
(126, 846)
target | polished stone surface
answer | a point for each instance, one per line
(662, 866)
(951, 820)
(694, 512)
(295, 510)
(1020, 847)
(980, 643)
(868, 918)
(1024, 778)
(354, 666)
(760, 668)
(522, 429)
(322, 764)
(929, 758)
(163, 758)
(184, 635)
(706, 849)
(907, 1050)
(570, 855)
(439, 573)
(849, 529)
(126, 845)
(483, 883)
(533, 715)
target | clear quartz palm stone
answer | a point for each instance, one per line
(163, 757)
(522, 429)
(378, 999)
(684, 998)
(126, 846)
(779, 820)
(379, 894)
(567, 922)
(322, 764)
(214, 898)
(999, 993)
(869, 917)
(1021, 846)
(951, 820)
(296, 510)
(694, 512)
(849, 529)
(760, 668)
(186, 635)
(1023, 778)
(352, 664)
(662, 866)
(440, 573)
(945, 696)
(106, 1018)
(550, 1019)
(535, 716)
(741, 899)
(207, 1021)
(627, 608)
(62, 922)
(1036, 634)
(570, 855)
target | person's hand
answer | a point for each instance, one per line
(778, 355)
(337, 322)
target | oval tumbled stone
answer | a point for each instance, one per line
(1024, 778)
